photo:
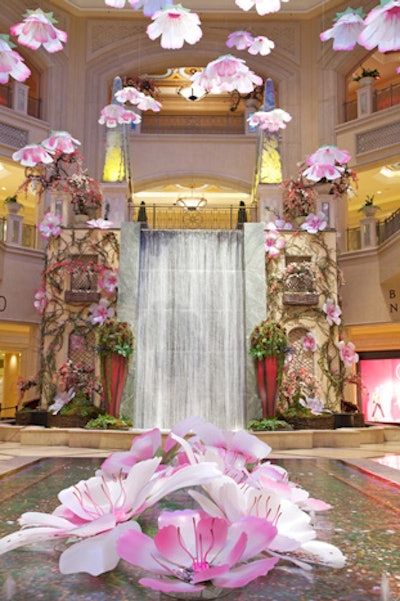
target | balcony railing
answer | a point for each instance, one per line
(384, 230)
(6, 99)
(381, 99)
(193, 124)
(208, 218)
(28, 234)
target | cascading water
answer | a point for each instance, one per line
(190, 342)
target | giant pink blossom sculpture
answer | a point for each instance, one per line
(240, 40)
(348, 353)
(225, 74)
(270, 120)
(382, 27)
(60, 141)
(261, 45)
(38, 29)
(136, 97)
(32, 154)
(108, 280)
(345, 32)
(326, 162)
(176, 25)
(262, 6)
(114, 114)
(273, 243)
(50, 226)
(332, 312)
(11, 62)
(315, 223)
(149, 6)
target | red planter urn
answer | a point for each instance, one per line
(267, 380)
(114, 371)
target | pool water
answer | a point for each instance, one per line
(364, 524)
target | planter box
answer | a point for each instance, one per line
(299, 298)
(67, 421)
(312, 423)
(81, 297)
(31, 418)
(349, 420)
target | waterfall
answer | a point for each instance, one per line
(190, 341)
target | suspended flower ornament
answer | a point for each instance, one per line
(270, 120)
(382, 27)
(32, 154)
(144, 102)
(50, 226)
(326, 162)
(226, 74)
(239, 40)
(60, 141)
(114, 114)
(38, 29)
(101, 224)
(315, 223)
(40, 300)
(332, 311)
(261, 45)
(176, 25)
(11, 62)
(149, 6)
(262, 6)
(348, 353)
(345, 32)
(101, 312)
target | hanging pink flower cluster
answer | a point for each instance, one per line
(380, 28)
(246, 514)
(243, 40)
(37, 29)
(11, 62)
(225, 74)
(315, 223)
(326, 162)
(149, 6)
(272, 121)
(114, 114)
(33, 154)
(176, 25)
(144, 102)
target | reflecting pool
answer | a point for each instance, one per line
(364, 524)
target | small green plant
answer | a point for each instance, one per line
(114, 336)
(80, 405)
(268, 423)
(367, 73)
(108, 422)
(368, 202)
(267, 339)
(10, 199)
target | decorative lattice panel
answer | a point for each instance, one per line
(83, 274)
(81, 347)
(13, 136)
(301, 357)
(381, 137)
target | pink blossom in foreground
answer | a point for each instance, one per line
(382, 27)
(144, 446)
(348, 353)
(40, 300)
(100, 312)
(192, 549)
(273, 243)
(108, 281)
(38, 29)
(60, 141)
(315, 223)
(329, 155)
(309, 343)
(11, 62)
(239, 40)
(176, 25)
(225, 74)
(262, 6)
(270, 120)
(346, 30)
(261, 45)
(31, 155)
(332, 311)
(114, 114)
(50, 226)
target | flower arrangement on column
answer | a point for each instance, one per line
(268, 345)
(114, 344)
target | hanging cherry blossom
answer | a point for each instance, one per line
(226, 74)
(326, 162)
(382, 27)
(176, 25)
(149, 6)
(100, 312)
(38, 29)
(348, 353)
(60, 141)
(114, 114)
(50, 226)
(32, 154)
(261, 45)
(269, 120)
(144, 102)
(241, 40)
(332, 312)
(40, 300)
(345, 32)
(262, 6)
(11, 62)
(315, 223)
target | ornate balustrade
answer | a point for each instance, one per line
(211, 218)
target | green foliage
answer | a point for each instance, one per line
(367, 73)
(268, 339)
(80, 405)
(114, 336)
(268, 423)
(108, 422)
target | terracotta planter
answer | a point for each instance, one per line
(267, 380)
(114, 371)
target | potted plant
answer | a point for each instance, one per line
(268, 345)
(114, 343)
(299, 199)
(12, 205)
(299, 281)
(29, 412)
(368, 208)
(72, 405)
(366, 76)
(109, 422)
